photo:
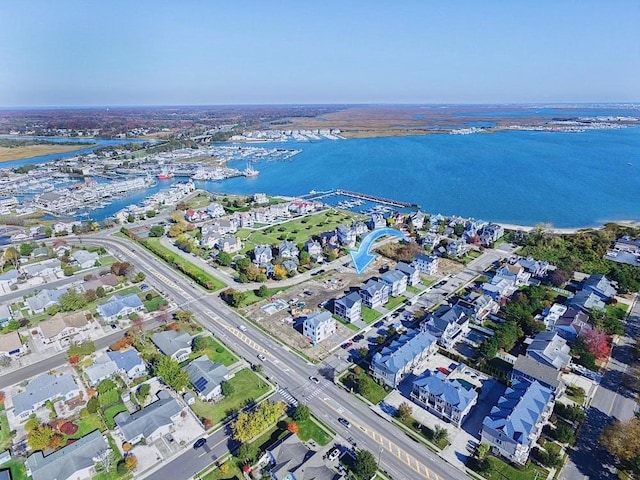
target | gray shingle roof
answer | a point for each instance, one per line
(149, 419)
(118, 303)
(372, 286)
(62, 464)
(82, 256)
(316, 318)
(392, 276)
(169, 342)
(532, 368)
(103, 367)
(205, 375)
(550, 349)
(43, 388)
(402, 351)
(44, 298)
(349, 300)
(291, 456)
(518, 410)
(451, 391)
(405, 268)
(126, 360)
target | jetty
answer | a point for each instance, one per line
(373, 198)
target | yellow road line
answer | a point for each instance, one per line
(237, 333)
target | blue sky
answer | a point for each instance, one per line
(242, 52)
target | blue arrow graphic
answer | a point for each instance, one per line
(361, 256)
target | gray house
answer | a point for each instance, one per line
(44, 299)
(262, 255)
(290, 459)
(529, 369)
(75, 461)
(152, 422)
(449, 324)
(84, 259)
(120, 306)
(601, 286)
(549, 348)
(173, 344)
(207, 377)
(396, 281)
(43, 388)
(412, 273)
(374, 293)
(348, 307)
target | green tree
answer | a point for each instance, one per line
(564, 433)
(250, 424)
(93, 405)
(263, 291)
(302, 413)
(365, 465)
(100, 292)
(139, 277)
(131, 218)
(224, 259)
(143, 392)
(247, 452)
(440, 434)
(150, 213)
(156, 231)
(72, 300)
(32, 423)
(12, 257)
(26, 249)
(200, 343)
(184, 315)
(227, 388)
(106, 385)
(170, 373)
(67, 270)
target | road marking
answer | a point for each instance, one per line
(238, 334)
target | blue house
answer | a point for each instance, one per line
(601, 286)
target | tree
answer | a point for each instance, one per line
(100, 292)
(440, 434)
(263, 291)
(293, 427)
(404, 411)
(12, 256)
(131, 462)
(247, 452)
(90, 296)
(72, 300)
(170, 372)
(139, 277)
(143, 392)
(67, 270)
(106, 385)
(184, 315)
(622, 439)
(53, 309)
(224, 259)
(250, 424)
(227, 388)
(597, 343)
(200, 343)
(121, 268)
(564, 433)
(130, 218)
(365, 465)
(55, 442)
(150, 213)
(26, 249)
(93, 405)
(40, 437)
(302, 413)
(279, 272)
(156, 231)
(32, 423)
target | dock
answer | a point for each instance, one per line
(373, 198)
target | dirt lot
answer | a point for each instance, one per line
(286, 324)
(449, 267)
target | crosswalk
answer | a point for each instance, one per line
(288, 397)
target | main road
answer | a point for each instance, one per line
(400, 455)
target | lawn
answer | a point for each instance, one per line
(87, 425)
(394, 302)
(189, 269)
(427, 282)
(199, 201)
(107, 260)
(310, 430)
(216, 353)
(499, 470)
(425, 432)
(247, 386)
(576, 394)
(349, 325)
(233, 472)
(299, 230)
(111, 412)
(154, 304)
(252, 297)
(374, 392)
(369, 316)
(618, 311)
(5, 431)
(412, 289)
(18, 469)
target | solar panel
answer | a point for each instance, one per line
(200, 384)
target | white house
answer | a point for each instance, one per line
(396, 281)
(174, 344)
(412, 273)
(43, 388)
(120, 306)
(318, 326)
(84, 259)
(129, 363)
(346, 236)
(348, 307)
(262, 255)
(152, 422)
(448, 324)
(427, 264)
(374, 293)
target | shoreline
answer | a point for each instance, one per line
(11, 154)
(568, 231)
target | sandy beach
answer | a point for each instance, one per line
(566, 231)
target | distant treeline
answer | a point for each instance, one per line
(12, 143)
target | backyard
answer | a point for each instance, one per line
(216, 353)
(499, 470)
(247, 387)
(369, 316)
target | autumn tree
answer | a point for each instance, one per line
(121, 268)
(404, 411)
(293, 427)
(622, 439)
(40, 437)
(131, 462)
(597, 343)
(250, 424)
(12, 256)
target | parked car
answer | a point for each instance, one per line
(334, 454)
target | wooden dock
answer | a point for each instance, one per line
(373, 198)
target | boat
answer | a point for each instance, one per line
(165, 175)
(250, 171)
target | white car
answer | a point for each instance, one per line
(334, 454)
(314, 380)
(262, 357)
(242, 328)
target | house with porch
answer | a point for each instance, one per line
(449, 324)
(374, 293)
(62, 325)
(174, 344)
(346, 236)
(412, 273)
(84, 259)
(129, 363)
(348, 307)
(152, 422)
(120, 306)
(396, 281)
(42, 388)
(262, 255)
(206, 377)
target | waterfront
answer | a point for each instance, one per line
(519, 177)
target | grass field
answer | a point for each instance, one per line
(394, 302)
(247, 386)
(369, 316)
(310, 430)
(16, 153)
(349, 325)
(375, 392)
(499, 470)
(216, 353)
(299, 230)
(18, 469)
(5, 431)
(253, 298)
(111, 412)
(87, 425)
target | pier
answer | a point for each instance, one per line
(373, 198)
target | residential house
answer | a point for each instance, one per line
(300, 207)
(60, 227)
(210, 240)
(152, 422)
(412, 273)
(262, 255)
(329, 240)
(586, 300)
(417, 220)
(514, 272)
(107, 282)
(427, 264)
(40, 252)
(348, 307)
(51, 266)
(192, 215)
(129, 363)
(245, 219)
(359, 227)
(229, 244)
(374, 293)
(11, 345)
(62, 325)
(288, 249)
(446, 398)
(601, 286)
(430, 240)
(173, 344)
(478, 306)
(44, 299)
(8, 278)
(75, 461)
(290, 459)
(529, 369)
(120, 306)
(314, 249)
(552, 314)
(514, 425)
(397, 360)
(377, 220)
(5, 314)
(346, 236)
(572, 323)
(215, 210)
(319, 326)
(500, 286)
(291, 265)
(457, 248)
(102, 368)
(260, 198)
(490, 233)
(43, 388)
(449, 324)
(550, 349)
(534, 267)
(85, 259)
(207, 377)
(396, 281)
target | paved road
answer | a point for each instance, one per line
(611, 401)
(400, 455)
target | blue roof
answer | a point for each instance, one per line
(403, 350)
(518, 410)
(349, 300)
(392, 276)
(317, 318)
(117, 303)
(126, 360)
(451, 391)
(373, 286)
(405, 268)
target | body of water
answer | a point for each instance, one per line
(521, 177)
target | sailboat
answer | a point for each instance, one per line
(250, 171)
